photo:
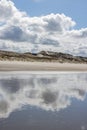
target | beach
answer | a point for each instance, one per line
(40, 66)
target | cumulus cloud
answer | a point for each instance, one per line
(7, 9)
(53, 32)
(79, 33)
(48, 92)
(16, 34)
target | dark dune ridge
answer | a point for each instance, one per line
(43, 56)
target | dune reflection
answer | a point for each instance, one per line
(48, 92)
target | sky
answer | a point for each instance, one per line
(76, 9)
(35, 25)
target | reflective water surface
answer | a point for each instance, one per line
(43, 101)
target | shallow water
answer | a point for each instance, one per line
(43, 101)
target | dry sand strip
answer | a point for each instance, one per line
(40, 66)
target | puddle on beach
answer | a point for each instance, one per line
(43, 101)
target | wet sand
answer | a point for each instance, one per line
(40, 66)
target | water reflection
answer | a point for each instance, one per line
(49, 92)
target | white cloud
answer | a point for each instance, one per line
(7, 9)
(48, 92)
(51, 32)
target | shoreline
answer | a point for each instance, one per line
(40, 66)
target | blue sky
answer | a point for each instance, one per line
(76, 9)
(36, 25)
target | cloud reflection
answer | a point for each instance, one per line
(49, 92)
